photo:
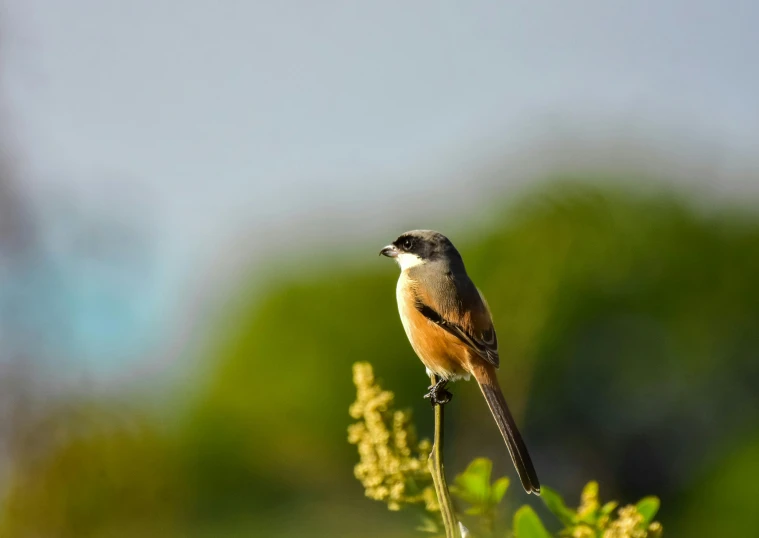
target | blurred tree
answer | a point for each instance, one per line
(629, 320)
(84, 471)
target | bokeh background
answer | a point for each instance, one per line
(193, 195)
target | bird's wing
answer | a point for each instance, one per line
(483, 341)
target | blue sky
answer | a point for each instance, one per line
(209, 129)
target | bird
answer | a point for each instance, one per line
(449, 325)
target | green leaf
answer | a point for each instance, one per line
(590, 490)
(498, 490)
(647, 507)
(556, 505)
(608, 508)
(527, 524)
(473, 485)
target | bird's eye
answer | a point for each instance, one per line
(408, 243)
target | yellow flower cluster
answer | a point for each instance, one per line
(629, 523)
(393, 464)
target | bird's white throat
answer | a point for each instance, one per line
(406, 260)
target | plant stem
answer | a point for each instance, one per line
(435, 464)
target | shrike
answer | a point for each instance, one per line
(449, 326)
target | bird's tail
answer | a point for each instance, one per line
(490, 388)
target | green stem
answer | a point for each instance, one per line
(435, 464)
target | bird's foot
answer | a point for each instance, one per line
(438, 395)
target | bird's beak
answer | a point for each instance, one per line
(390, 251)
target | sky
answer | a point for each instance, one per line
(218, 133)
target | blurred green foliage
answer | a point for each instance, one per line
(629, 327)
(91, 471)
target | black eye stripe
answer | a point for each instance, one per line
(406, 243)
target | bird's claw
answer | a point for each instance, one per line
(437, 394)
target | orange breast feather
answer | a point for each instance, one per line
(440, 351)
